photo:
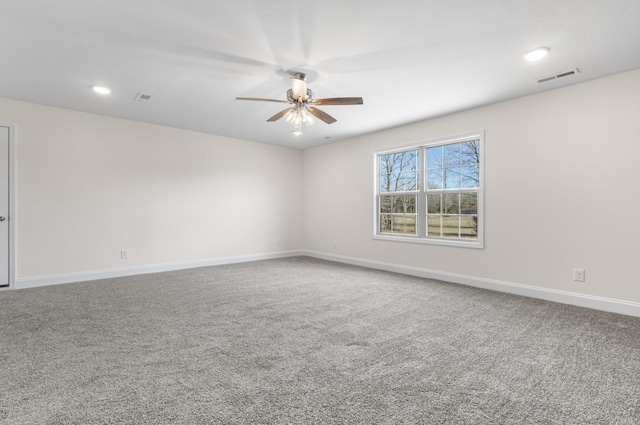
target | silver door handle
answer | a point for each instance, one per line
(2, 218)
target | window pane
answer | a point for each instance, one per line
(385, 204)
(433, 225)
(410, 204)
(404, 224)
(404, 204)
(434, 157)
(386, 168)
(470, 152)
(408, 160)
(470, 176)
(434, 179)
(469, 227)
(398, 224)
(384, 165)
(411, 224)
(397, 161)
(399, 171)
(469, 203)
(450, 226)
(398, 205)
(385, 223)
(452, 178)
(452, 155)
(384, 182)
(434, 203)
(406, 182)
(451, 203)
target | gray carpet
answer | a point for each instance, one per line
(305, 341)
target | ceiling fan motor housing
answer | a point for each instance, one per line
(299, 86)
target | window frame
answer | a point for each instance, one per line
(421, 235)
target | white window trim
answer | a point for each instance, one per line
(422, 238)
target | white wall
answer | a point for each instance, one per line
(561, 176)
(560, 173)
(89, 186)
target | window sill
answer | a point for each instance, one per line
(431, 241)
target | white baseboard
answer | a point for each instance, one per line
(33, 282)
(564, 297)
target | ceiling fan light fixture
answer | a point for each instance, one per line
(308, 120)
(306, 117)
(536, 54)
(299, 86)
(298, 116)
(290, 116)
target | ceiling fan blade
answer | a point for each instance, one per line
(279, 115)
(321, 115)
(338, 101)
(262, 100)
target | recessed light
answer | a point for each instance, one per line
(101, 90)
(536, 54)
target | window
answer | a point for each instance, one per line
(431, 193)
(399, 177)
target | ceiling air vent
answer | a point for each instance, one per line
(573, 71)
(142, 98)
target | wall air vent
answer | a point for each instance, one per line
(142, 98)
(573, 71)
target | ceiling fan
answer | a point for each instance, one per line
(303, 104)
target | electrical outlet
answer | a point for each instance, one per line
(335, 244)
(578, 275)
(124, 254)
(278, 242)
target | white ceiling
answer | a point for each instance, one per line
(409, 59)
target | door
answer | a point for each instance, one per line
(4, 206)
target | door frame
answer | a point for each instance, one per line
(12, 203)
